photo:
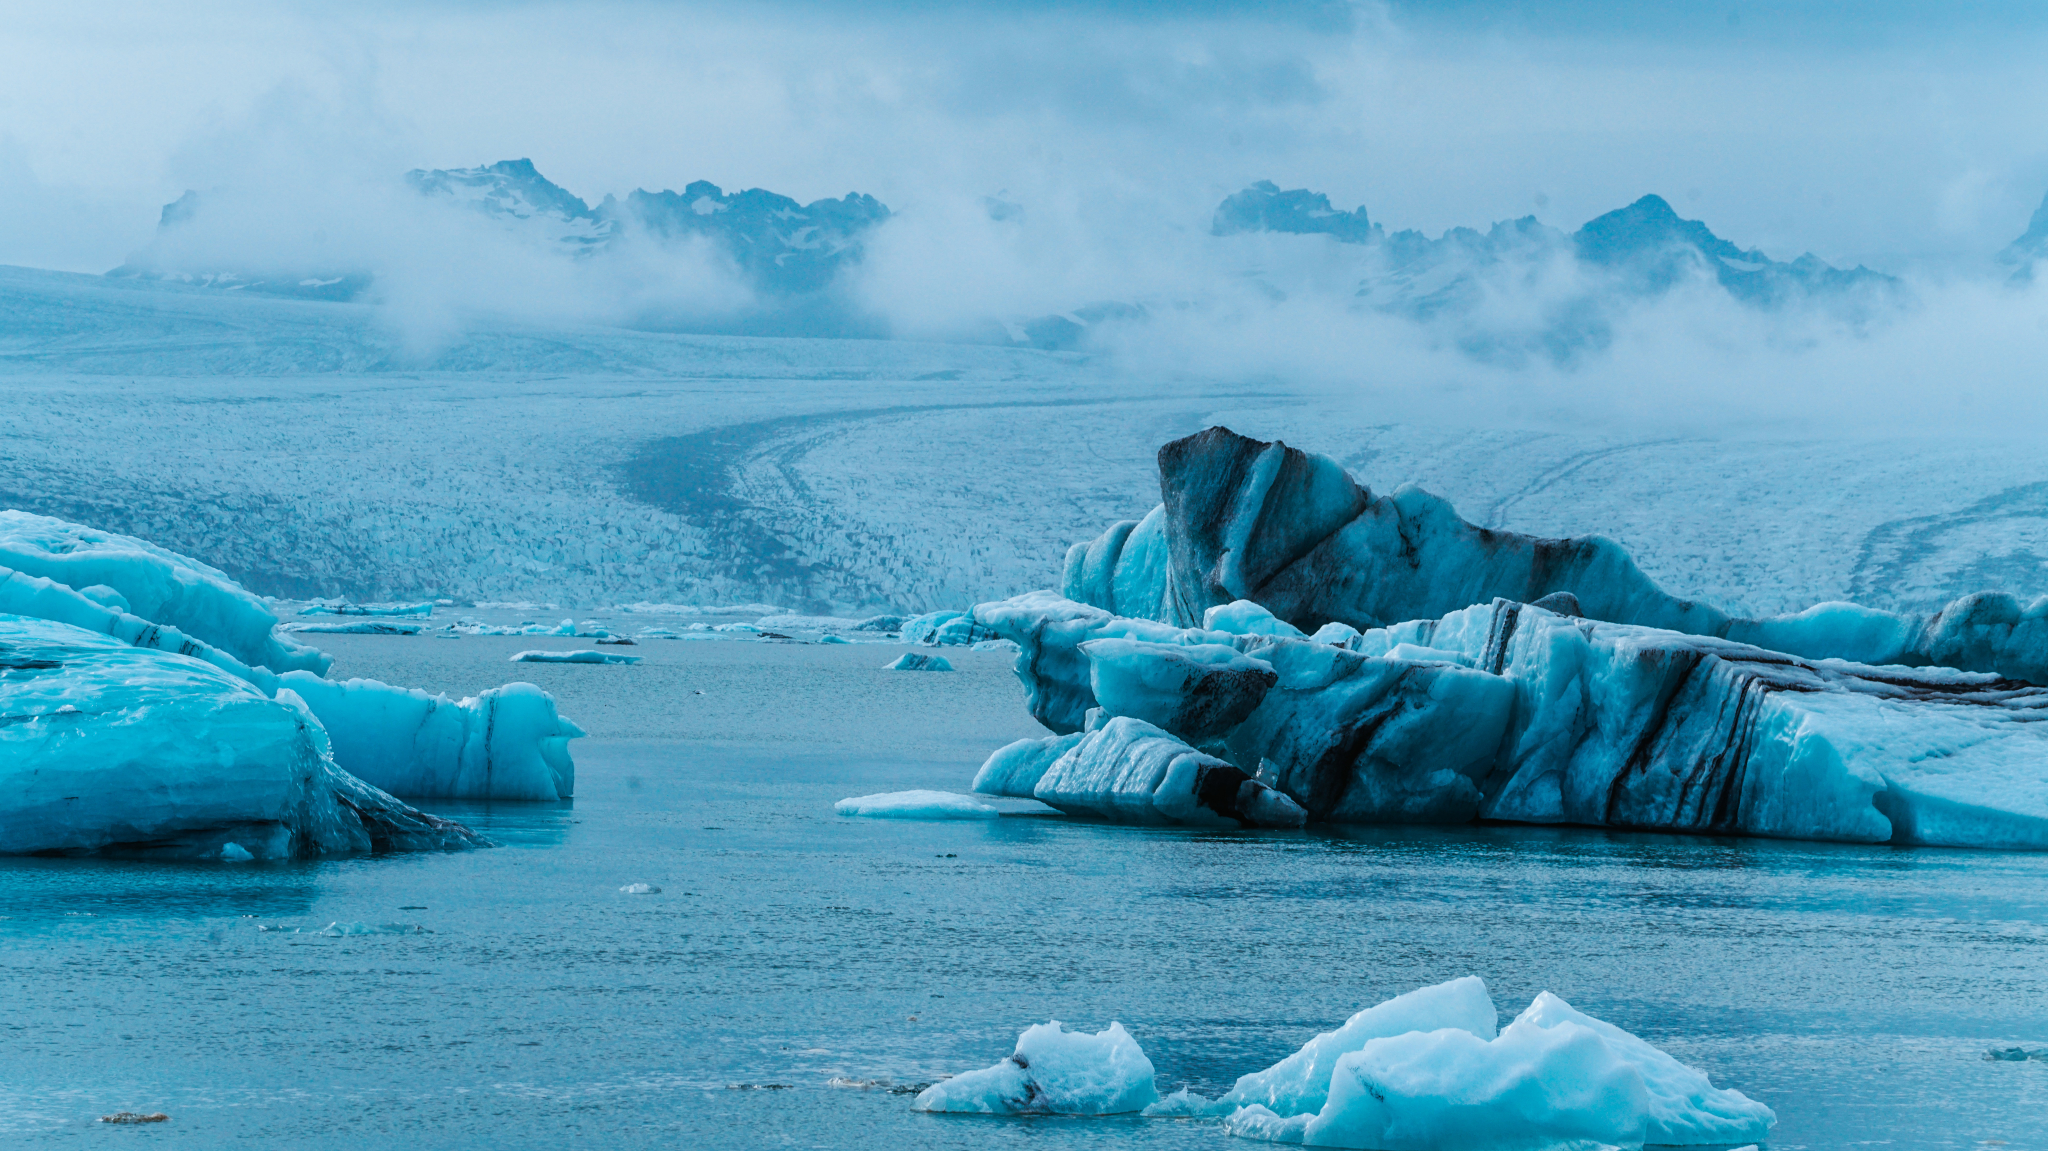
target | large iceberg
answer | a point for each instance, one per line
(156, 584)
(1244, 519)
(111, 746)
(1512, 711)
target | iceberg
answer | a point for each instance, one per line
(1428, 1070)
(1511, 711)
(916, 805)
(915, 661)
(117, 748)
(504, 743)
(356, 627)
(1244, 520)
(526, 744)
(579, 656)
(1054, 1072)
(343, 607)
(156, 584)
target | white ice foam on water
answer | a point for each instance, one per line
(916, 805)
(1054, 1072)
(581, 656)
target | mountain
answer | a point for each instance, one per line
(785, 249)
(1263, 207)
(1655, 249)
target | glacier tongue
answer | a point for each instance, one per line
(116, 747)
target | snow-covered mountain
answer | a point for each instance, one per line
(2032, 246)
(781, 248)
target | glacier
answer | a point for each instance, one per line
(117, 748)
(1510, 711)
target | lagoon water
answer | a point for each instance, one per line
(1854, 989)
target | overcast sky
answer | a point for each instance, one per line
(1895, 135)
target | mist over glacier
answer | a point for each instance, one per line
(1063, 168)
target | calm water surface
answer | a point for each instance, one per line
(1855, 990)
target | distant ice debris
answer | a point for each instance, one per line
(914, 661)
(353, 627)
(834, 639)
(580, 656)
(806, 623)
(1054, 1071)
(640, 889)
(343, 607)
(516, 605)
(916, 805)
(338, 929)
(1009, 645)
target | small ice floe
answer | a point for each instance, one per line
(2015, 1055)
(833, 639)
(913, 661)
(234, 853)
(1430, 1069)
(354, 627)
(584, 656)
(619, 640)
(136, 1117)
(640, 889)
(916, 805)
(1054, 1072)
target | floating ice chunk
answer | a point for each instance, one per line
(913, 661)
(1300, 1083)
(1552, 1077)
(834, 639)
(1192, 690)
(357, 627)
(882, 623)
(1243, 617)
(640, 889)
(1129, 771)
(916, 805)
(505, 743)
(232, 852)
(579, 656)
(1054, 1072)
(1015, 769)
(156, 584)
(343, 607)
(154, 753)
